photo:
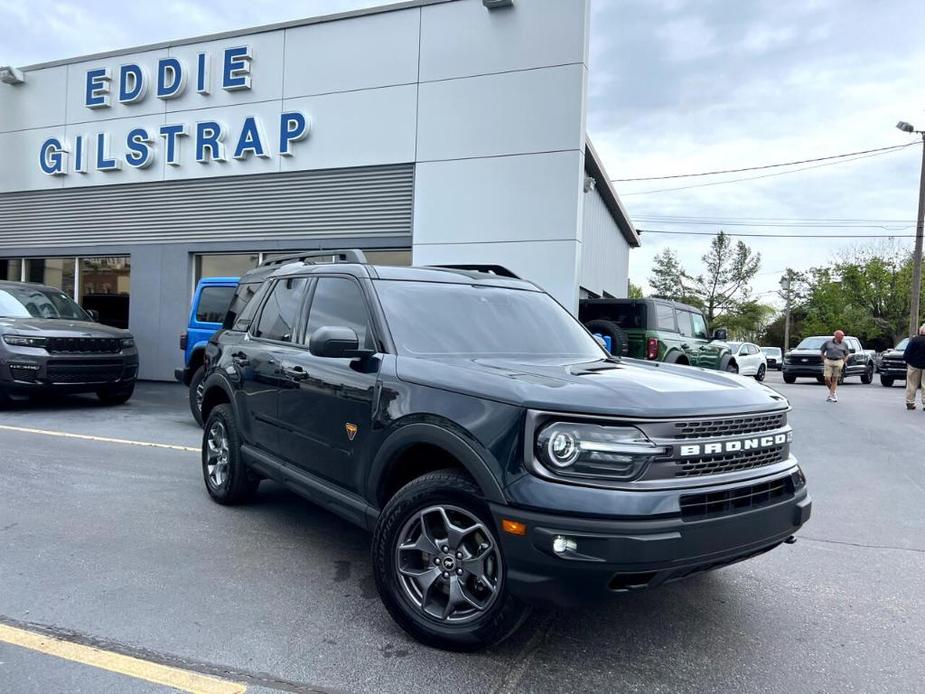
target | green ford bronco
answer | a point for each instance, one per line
(658, 330)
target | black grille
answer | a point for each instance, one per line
(97, 371)
(710, 428)
(894, 363)
(83, 345)
(713, 504)
(806, 359)
(728, 462)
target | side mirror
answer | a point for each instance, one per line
(336, 342)
(94, 314)
(720, 335)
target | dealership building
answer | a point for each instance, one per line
(430, 131)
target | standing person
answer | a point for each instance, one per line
(834, 354)
(915, 363)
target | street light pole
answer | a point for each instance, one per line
(785, 285)
(917, 255)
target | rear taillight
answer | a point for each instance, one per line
(652, 348)
(184, 340)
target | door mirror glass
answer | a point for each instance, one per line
(720, 335)
(336, 342)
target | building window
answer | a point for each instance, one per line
(53, 272)
(104, 285)
(225, 265)
(11, 269)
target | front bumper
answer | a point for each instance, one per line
(619, 555)
(898, 372)
(27, 373)
(791, 369)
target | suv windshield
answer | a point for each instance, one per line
(813, 343)
(771, 351)
(36, 302)
(434, 319)
(903, 344)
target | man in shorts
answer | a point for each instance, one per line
(834, 354)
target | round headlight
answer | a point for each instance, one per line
(563, 449)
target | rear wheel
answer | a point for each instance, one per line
(618, 342)
(227, 479)
(886, 381)
(439, 567)
(790, 378)
(762, 370)
(196, 392)
(116, 396)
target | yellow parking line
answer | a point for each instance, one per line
(184, 680)
(104, 439)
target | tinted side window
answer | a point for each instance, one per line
(684, 323)
(339, 301)
(664, 317)
(281, 310)
(244, 305)
(213, 304)
(700, 326)
(752, 349)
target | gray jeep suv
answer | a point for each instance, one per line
(50, 344)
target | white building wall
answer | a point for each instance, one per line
(501, 136)
(604, 251)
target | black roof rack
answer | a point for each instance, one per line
(498, 270)
(352, 255)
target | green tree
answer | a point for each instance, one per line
(730, 267)
(635, 291)
(668, 277)
(748, 321)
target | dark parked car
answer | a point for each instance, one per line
(49, 344)
(658, 330)
(774, 356)
(806, 360)
(893, 364)
(500, 456)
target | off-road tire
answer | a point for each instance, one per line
(116, 396)
(868, 376)
(618, 340)
(728, 365)
(789, 378)
(887, 381)
(820, 380)
(238, 484)
(443, 487)
(195, 398)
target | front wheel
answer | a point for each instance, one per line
(762, 370)
(886, 381)
(439, 567)
(116, 396)
(790, 378)
(868, 376)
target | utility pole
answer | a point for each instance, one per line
(917, 255)
(785, 285)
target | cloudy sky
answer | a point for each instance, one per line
(677, 86)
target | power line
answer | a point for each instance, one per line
(762, 166)
(770, 175)
(779, 236)
(760, 221)
(785, 225)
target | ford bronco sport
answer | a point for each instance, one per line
(500, 456)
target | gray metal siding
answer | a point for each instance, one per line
(604, 250)
(344, 202)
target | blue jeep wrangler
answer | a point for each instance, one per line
(210, 306)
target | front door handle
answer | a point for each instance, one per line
(295, 373)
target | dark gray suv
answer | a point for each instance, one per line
(50, 344)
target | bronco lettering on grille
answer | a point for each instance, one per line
(734, 446)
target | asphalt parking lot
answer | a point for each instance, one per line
(115, 547)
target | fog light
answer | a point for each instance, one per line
(561, 544)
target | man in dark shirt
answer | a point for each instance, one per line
(915, 362)
(834, 354)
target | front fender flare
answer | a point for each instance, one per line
(433, 434)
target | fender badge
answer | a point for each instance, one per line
(351, 431)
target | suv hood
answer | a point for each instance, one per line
(56, 327)
(804, 353)
(629, 387)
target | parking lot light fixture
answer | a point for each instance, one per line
(11, 75)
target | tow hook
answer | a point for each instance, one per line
(792, 540)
